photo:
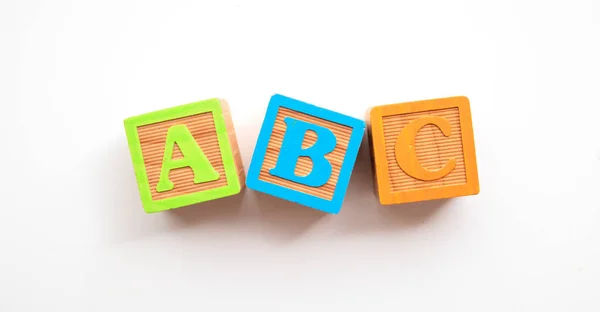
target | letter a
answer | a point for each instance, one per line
(291, 150)
(193, 157)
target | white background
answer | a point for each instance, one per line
(73, 234)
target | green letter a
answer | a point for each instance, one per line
(193, 157)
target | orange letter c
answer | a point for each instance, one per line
(406, 155)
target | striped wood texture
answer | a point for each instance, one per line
(237, 156)
(304, 165)
(153, 138)
(433, 150)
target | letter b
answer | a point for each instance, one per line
(291, 150)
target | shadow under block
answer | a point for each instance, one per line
(305, 154)
(185, 155)
(423, 150)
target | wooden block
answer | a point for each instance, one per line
(185, 155)
(423, 150)
(305, 154)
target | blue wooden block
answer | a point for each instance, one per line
(305, 154)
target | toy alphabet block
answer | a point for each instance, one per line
(185, 155)
(423, 150)
(305, 154)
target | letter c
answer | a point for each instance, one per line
(406, 155)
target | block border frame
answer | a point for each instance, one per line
(135, 148)
(384, 190)
(332, 206)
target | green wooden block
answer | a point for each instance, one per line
(185, 155)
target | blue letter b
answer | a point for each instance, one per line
(291, 151)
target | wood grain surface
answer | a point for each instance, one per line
(237, 155)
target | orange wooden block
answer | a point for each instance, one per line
(423, 150)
